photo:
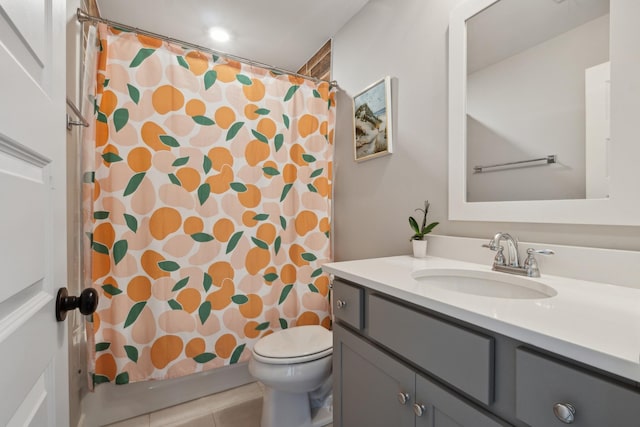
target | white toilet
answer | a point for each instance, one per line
(291, 363)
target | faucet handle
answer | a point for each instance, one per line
(531, 265)
(499, 258)
(492, 246)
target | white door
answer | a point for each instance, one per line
(33, 346)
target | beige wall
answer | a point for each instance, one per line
(407, 39)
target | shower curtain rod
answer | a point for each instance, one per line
(83, 17)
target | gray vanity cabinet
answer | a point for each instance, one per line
(373, 389)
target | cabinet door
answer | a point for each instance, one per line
(440, 408)
(367, 385)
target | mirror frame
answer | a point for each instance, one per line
(622, 207)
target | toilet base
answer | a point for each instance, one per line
(321, 417)
(280, 409)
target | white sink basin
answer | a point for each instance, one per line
(485, 283)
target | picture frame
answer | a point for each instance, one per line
(372, 121)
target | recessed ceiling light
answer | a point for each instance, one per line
(219, 34)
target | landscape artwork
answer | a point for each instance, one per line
(372, 121)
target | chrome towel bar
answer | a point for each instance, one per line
(552, 158)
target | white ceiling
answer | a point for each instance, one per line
(281, 33)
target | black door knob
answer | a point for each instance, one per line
(87, 302)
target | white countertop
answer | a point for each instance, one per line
(594, 323)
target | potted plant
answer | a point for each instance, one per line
(418, 238)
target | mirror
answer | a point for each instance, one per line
(535, 70)
(532, 110)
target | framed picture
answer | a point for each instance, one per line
(372, 121)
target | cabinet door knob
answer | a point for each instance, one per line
(341, 303)
(565, 412)
(419, 409)
(403, 398)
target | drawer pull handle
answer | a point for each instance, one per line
(341, 303)
(419, 409)
(565, 412)
(403, 398)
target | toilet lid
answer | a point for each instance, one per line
(295, 345)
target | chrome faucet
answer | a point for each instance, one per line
(512, 264)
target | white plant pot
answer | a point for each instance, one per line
(419, 248)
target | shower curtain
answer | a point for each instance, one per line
(207, 214)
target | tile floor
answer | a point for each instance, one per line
(238, 407)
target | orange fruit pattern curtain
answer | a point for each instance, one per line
(210, 213)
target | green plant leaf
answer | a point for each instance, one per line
(168, 266)
(307, 256)
(175, 305)
(111, 290)
(180, 284)
(120, 118)
(233, 130)
(316, 173)
(142, 54)
(262, 326)
(292, 90)
(276, 244)
(100, 248)
(429, 227)
(203, 120)
(181, 161)
(210, 78)
(285, 191)
(132, 352)
(233, 241)
(134, 93)
(134, 183)
(207, 281)
(202, 237)
(174, 180)
(102, 346)
(240, 299)
(119, 250)
(286, 121)
(285, 293)
(283, 323)
(259, 243)
(278, 141)
(262, 111)
(317, 272)
(312, 188)
(283, 222)
(111, 157)
(134, 313)
(235, 356)
(204, 191)
(238, 187)
(204, 311)
(169, 141)
(100, 379)
(122, 378)
(414, 225)
(100, 215)
(270, 171)
(308, 158)
(270, 277)
(204, 357)
(244, 79)
(206, 164)
(183, 62)
(260, 137)
(261, 217)
(313, 289)
(132, 222)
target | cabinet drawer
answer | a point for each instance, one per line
(458, 356)
(347, 303)
(542, 383)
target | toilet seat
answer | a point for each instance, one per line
(294, 345)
